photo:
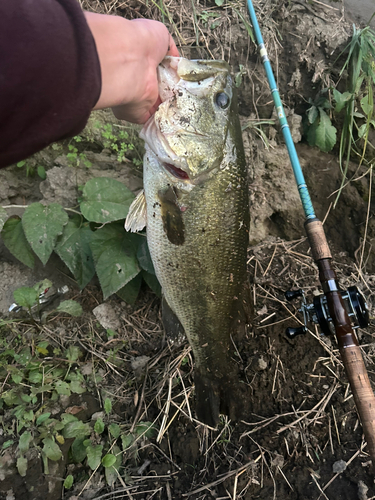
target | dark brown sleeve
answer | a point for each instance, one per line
(49, 75)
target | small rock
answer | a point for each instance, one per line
(86, 369)
(10, 495)
(278, 461)
(99, 414)
(139, 363)
(362, 491)
(107, 316)
(262, 311)
(262, 365)
(339, 466)
(258, 364)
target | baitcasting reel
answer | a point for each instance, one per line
(317, 312)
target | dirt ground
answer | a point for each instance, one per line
(302, 439)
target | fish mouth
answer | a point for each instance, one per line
(158, 144)
(176, 172)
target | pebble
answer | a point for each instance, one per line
(339, 466)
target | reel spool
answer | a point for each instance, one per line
(318, 313)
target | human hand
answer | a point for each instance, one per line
(129, 54)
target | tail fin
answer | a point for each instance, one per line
(225, 396)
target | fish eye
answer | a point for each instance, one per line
(222, 100)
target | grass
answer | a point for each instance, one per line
(296, 415)
(360, 68)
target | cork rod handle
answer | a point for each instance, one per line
(347, 341)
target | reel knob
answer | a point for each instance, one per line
(291, 333)
(293, 294)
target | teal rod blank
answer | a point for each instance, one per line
(300, 180)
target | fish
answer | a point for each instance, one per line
(195, 206)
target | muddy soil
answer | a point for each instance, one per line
(302, 439)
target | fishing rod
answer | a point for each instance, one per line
(336, 311)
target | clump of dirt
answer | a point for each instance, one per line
(303, 438)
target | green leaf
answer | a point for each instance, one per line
(76, 387)
(144, 257)
(111, 472)
(73, 353)
(108, 460)
(366, 105)
(3, 217)
(25, 296)
(107, 406)
(127, 440)
(17, 376)
(20, 164)
(341, 99)
(78, 450)
(362, 130)
(115, 430)
(76, 429)
(68, 483)
(22, 466)
(42, 172)
(94, 455)
(105, 200)
(7, 444)
(325, 133)
(66, 418)
(42, 286)
(70, 307)
(62, 388)
(51, 449)
(99, 426)
(114, 253)
(219, 3)
(15, 240)
(24, 356)
(42, 418)
(152, 282)
(35, 377)
(145, 428)
(24, 442)
(42, 225)
(312, 114)
(73, 248)
(130, 291)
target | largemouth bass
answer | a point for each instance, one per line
(197, 216)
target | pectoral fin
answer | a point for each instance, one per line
(136, 219)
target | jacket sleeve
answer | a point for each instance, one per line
(49, 75)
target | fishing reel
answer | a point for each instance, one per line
(318, 313)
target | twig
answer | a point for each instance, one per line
(220, 480)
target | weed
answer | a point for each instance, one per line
(88, 242)
(207, 16)
(75, 159)
(38, 380)
(256, 125)
(119, 142)
(356, 103)
(30, 170)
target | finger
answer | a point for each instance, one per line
(172, 49)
